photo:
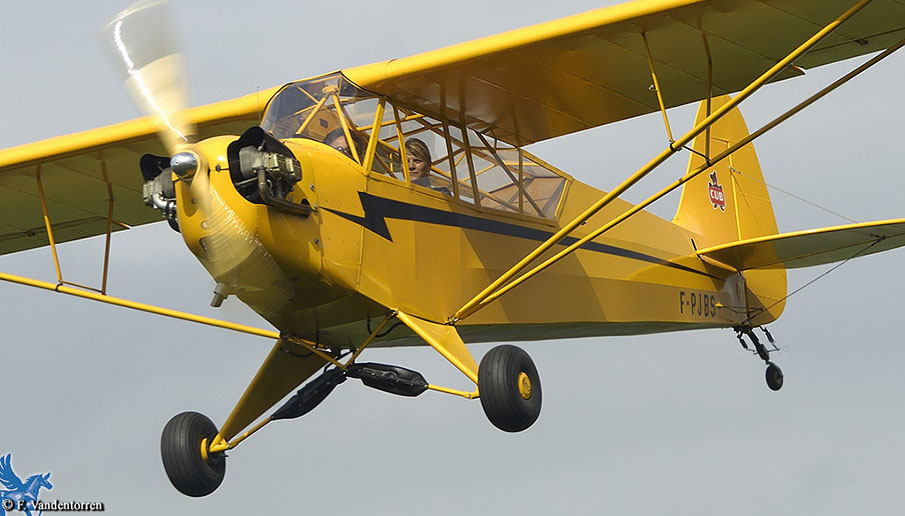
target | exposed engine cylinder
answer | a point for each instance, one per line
(158, 190)
(264, 171)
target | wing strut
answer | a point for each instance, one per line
(656, 86)
(500, 286)
(49, 229)
(95, 296)
(709, 92)
(689, 176)
(47, 225)
(708, 96)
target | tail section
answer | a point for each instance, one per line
(729, 202)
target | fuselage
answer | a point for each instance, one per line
(314, 222)
(373, 243)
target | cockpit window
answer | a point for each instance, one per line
(434, 155)
(296, 111)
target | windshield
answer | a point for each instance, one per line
(309, 108)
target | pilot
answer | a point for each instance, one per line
(419, 161)
(337, 139)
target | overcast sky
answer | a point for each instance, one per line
(665, 424)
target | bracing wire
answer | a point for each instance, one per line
(820, 276)
(797, 197)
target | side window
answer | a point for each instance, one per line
(457, 162)
(382, 154)
(412, 147)
(466, 165)
(543, 186)
(426, 154)
(511, 180)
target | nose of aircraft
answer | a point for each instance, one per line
(221, 230)
(238, 203)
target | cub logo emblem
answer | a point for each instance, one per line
(716, 193)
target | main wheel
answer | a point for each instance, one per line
(774, 376)
(180, 447)
(510, 388)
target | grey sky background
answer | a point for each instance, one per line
(666, 424)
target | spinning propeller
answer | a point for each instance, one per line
(154, 75)
(144, 44)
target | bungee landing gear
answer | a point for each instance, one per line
(773, 374)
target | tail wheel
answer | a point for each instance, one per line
(180, 447)
(774, 376)
(510, 388)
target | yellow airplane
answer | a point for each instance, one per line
(394, 204)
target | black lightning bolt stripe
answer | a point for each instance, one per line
(378, 209)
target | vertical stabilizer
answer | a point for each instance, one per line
(729, 202)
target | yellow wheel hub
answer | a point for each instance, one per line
(524, 385)
(204, 454)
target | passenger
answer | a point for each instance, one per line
(419, 162)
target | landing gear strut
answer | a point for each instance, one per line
(773, 374)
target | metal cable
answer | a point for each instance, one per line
(790, 194)
(809, 283)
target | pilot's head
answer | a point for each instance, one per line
(337, 139)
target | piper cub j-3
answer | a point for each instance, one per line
(344, 195)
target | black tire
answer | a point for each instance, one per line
(499, 376)
(774, 376)
(180, 448)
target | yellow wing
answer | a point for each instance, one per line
(81, 172)
(592, 69)
(522, 86)
(812, 247)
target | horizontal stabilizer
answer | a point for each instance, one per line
(809, 248)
